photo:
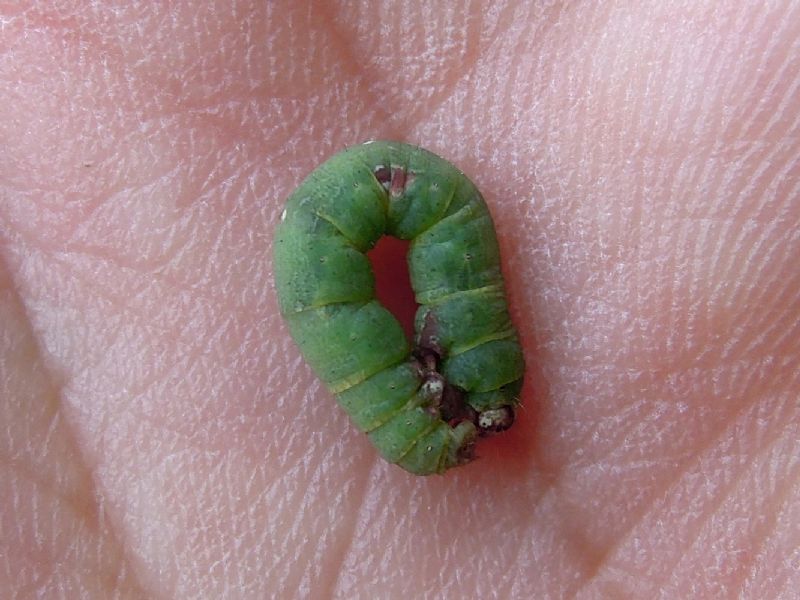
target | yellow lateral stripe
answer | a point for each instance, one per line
(446, 297)
(501, 335)
(344, 384)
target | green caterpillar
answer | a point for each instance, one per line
(422, 407)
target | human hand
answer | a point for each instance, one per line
(162, 436)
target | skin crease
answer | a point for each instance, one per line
(160, 435)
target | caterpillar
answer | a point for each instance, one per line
(422, 406)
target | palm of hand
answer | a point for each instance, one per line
(163, 438)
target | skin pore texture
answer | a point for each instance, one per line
(161, 436)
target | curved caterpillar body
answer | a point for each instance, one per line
(422, 407)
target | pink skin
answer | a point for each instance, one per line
(161, 436)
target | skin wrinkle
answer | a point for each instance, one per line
(399, 115)
(333, 558)
(722, 496)
(346, 546)
(469, 77)
(140, 269)
(781, 582)
(709, 444)
(573, 548)
(86, 505)
(785, 498)
(548, 488)
(718, 503)
(785, 576)
(699, 458)
(778, 76)
(358, 73)
(91, 367)
(140, 390)
(788, 333)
